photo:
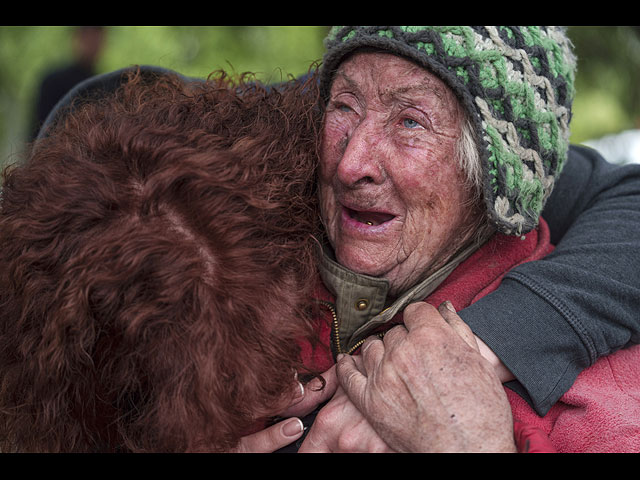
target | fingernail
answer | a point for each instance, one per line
(449, 306)
(300, 387)
(315, 385)
(292, 428)
(340, 356)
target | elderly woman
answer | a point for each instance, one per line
(157, 256)
(435, 140)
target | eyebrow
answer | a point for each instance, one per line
(350, 82)
(399, 94)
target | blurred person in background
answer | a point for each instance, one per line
(87, 44)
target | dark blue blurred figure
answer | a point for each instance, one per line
(87, 44)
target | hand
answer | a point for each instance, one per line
(291, 429)
(338, 426)
(341, 428)
(426, 388)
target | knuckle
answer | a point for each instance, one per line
(419, 308)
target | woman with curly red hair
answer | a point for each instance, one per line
(156, 266)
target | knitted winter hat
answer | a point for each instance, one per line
(516, 84)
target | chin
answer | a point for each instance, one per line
(357, 264)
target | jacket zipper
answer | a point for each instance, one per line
(336, 331)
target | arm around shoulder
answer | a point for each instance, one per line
(552, 318)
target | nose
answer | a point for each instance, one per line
(362, 160)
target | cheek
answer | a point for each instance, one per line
(433, 192)
(327, 168)
(327, 198)
(430, 167)
(328, 210)
(420, 182)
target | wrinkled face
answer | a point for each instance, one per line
(392, 194)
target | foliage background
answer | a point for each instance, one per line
(608, 99)
(27, 53)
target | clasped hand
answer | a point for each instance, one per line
(425, 387)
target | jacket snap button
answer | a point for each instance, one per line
(362, 304)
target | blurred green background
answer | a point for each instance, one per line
(27, 53)
(608, 98)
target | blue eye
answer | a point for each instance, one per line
(409, 123)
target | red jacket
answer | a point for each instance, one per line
(601, 412)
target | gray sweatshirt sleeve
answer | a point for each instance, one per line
(552, 318)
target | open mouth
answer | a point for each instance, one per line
(369, 218)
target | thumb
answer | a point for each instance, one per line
(351, 379)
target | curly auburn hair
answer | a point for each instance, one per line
(157, 254)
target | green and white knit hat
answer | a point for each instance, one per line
(517, 86)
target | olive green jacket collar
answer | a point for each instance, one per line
(362, 302)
